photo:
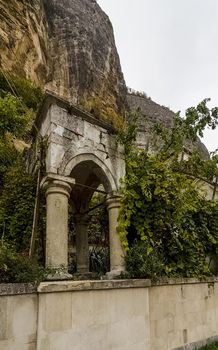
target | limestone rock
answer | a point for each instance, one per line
(23, 39)
(67, 47)
(151, 113)
(86, 65)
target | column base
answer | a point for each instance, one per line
(59, 276)
(85, 275)
(114, 274)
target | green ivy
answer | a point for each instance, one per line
(16, 206)
(161, 205)
(19, 100)
(29, 94)
(213, 346)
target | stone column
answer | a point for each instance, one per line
(57, 191)
(82, 245)
(116, 251)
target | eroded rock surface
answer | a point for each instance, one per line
(150, 113)
(67, 47)
(23, 39)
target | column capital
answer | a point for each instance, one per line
(113, 200)
(54, 183)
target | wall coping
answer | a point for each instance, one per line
(17, 288)
(69, 286)
(51, 98)
(176, 281)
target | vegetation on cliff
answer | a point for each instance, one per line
(19, 100)
(75, 58)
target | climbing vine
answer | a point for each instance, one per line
(163, 214)
(19, 101)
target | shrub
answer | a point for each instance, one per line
(161, 203)
(16, 206)
(17, 268)
(99, 260)
(142, 262)
(213, 346)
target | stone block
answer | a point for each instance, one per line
(61, 117)
(23, 316)
(17, 345)
(3, 318)
(58, 312)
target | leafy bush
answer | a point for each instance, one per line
(99, 235)
(17, 268)
(213, 346)
(142, 262)
(19, 100)
(16, 206)
(98, 221)
(99, 260)
(161, 204)
(30, 95)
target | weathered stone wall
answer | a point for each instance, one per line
(70, 133)
(109, 315)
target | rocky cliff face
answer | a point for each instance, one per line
(151, 113)
(23, 39)
(67, 47)
(85, 61)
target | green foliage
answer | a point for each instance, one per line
(100, 260)
(29, 94)
(98, 235)
(161, 206)
(98, 221)
(213, 346)
(16, 206)
(13, 117)
(19, 100)
(8, 156)
(17, 268)
(142, 262)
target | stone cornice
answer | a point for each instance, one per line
(52, 99)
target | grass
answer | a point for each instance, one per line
(213, 346)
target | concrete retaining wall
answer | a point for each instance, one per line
(18, 322)
(109, 315)
(183, 314)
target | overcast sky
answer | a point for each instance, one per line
(169, 49)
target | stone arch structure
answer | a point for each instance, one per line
(82, 154)
(105, 174)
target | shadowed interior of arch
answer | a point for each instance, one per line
(89, 177)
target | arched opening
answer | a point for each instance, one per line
(84, 176)
(88, 229)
